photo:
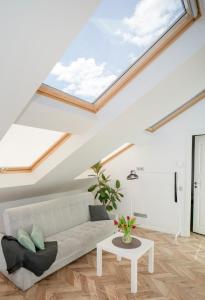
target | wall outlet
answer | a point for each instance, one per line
(140, 168)
(136, 214)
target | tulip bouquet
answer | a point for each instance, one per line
(126, 225)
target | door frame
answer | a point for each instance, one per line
(186, 211)
(192, 187)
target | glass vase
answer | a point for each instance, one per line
(126, 238)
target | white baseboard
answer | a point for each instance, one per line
(156, 228)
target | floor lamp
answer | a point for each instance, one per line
(132, 176)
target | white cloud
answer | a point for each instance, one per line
(132, 58)
(149, 21)
(84, 77)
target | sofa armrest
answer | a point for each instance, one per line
(3, 266)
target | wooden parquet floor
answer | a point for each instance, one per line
(179, 275)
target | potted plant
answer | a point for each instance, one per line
(109, 195)
(125, 225)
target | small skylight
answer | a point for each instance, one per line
(22, 146)
(90, 173)
(117, 35)
(116, 152)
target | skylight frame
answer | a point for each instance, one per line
(39, 160)
(120, 150)
(133, 70)
(177, 112)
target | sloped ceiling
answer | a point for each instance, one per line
(172, 79)
(44, 113)
(128, 127)
(34, 35)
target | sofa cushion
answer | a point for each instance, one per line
(83, 236)
(51, 216)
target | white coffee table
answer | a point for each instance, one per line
(131, 254)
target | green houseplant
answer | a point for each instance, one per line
(107, 193)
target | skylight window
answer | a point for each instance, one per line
(23, 146)
(118, 34)
(89, 173)
(116, 153)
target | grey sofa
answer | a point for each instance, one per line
(64, 220)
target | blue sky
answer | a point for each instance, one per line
(116, 35)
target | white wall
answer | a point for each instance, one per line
(161, 154)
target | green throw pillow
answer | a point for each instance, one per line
(25, 240)
(37, 237)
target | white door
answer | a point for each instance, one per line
(157, 201)
(199, 185)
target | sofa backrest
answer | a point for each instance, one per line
(51, 216)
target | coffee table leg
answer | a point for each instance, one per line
(151, 260)
(99, 261)
(119, 258)
(133, 276)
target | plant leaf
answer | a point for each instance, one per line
(92, 188)
(103, 177)
(97, 194)
(117, 184)
(109, 207)
(97, 167)
(114, 205)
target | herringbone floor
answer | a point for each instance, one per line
(179, 275)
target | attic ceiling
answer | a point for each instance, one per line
(34, 35)
(93, 136)
(52, 115)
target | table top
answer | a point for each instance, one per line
(136, 253)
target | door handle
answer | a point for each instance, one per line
(195, 184)
(175, 187)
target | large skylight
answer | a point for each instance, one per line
(117, 35)
(22, 145)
